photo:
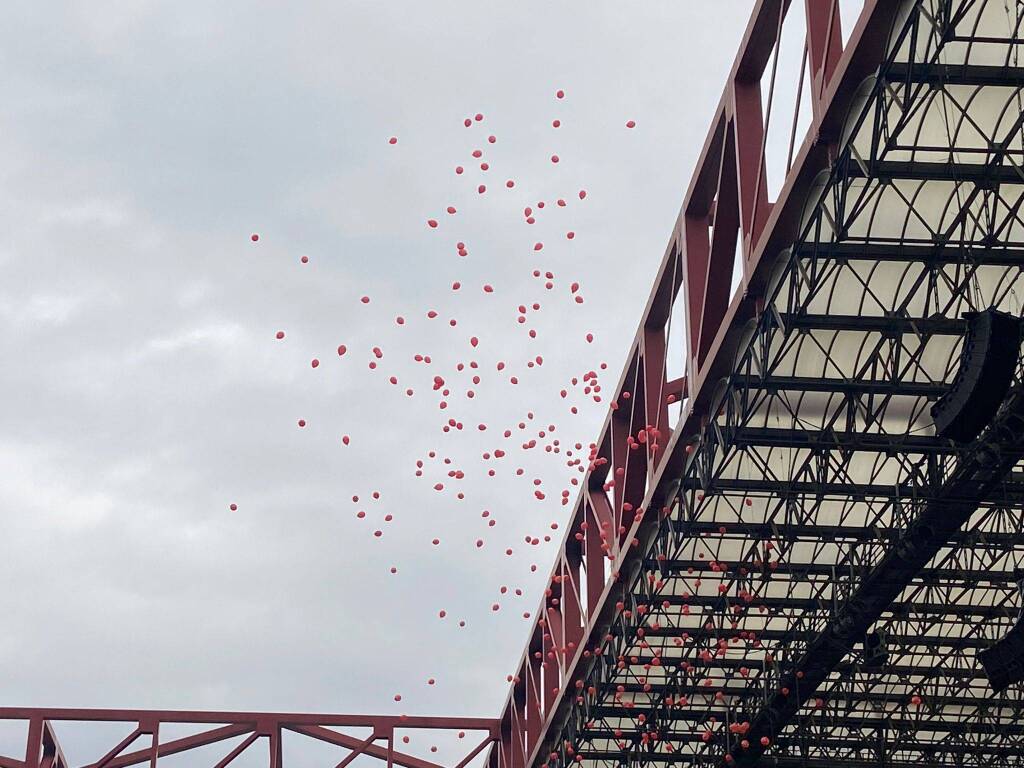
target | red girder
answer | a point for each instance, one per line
(43, 751)
(726, 205)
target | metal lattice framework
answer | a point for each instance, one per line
(748, 528)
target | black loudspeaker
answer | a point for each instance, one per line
(1004, 661)
(876, 649)
(987, 362)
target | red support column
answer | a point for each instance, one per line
(723, 247)
(594, 554)
(655, 393)
(34, 744)
(824, 48)
(751, 174)
(572, 614)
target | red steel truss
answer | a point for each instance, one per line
(639, 452)
(144, 745)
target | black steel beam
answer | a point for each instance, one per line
(779, 437)
(995, 255)
(1009, 492)
(890, 326)
(931, 390)
(934, 73)
(970, 724)
(811, 532)
(978, 173)
(933, 575)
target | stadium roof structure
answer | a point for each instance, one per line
(778, 558)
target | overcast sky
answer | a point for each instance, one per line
(143, 390)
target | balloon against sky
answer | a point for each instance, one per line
(309, 317)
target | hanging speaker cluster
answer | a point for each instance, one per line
(876, 649)
(987, 362)
(1004, 661)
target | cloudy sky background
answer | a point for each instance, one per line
(142, 388)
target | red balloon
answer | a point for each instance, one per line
(304, 259)
(631, 123)
(254, 237)
(556, 123)
(554, 158)
(279, 335)
(432, 223)
(393, 140)
(315, 363)
(233, 507)
(560, 94)
(510, 183)
(342, 349)
(302, 422)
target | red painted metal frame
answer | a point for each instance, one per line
(43, 750)
(638, 453)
